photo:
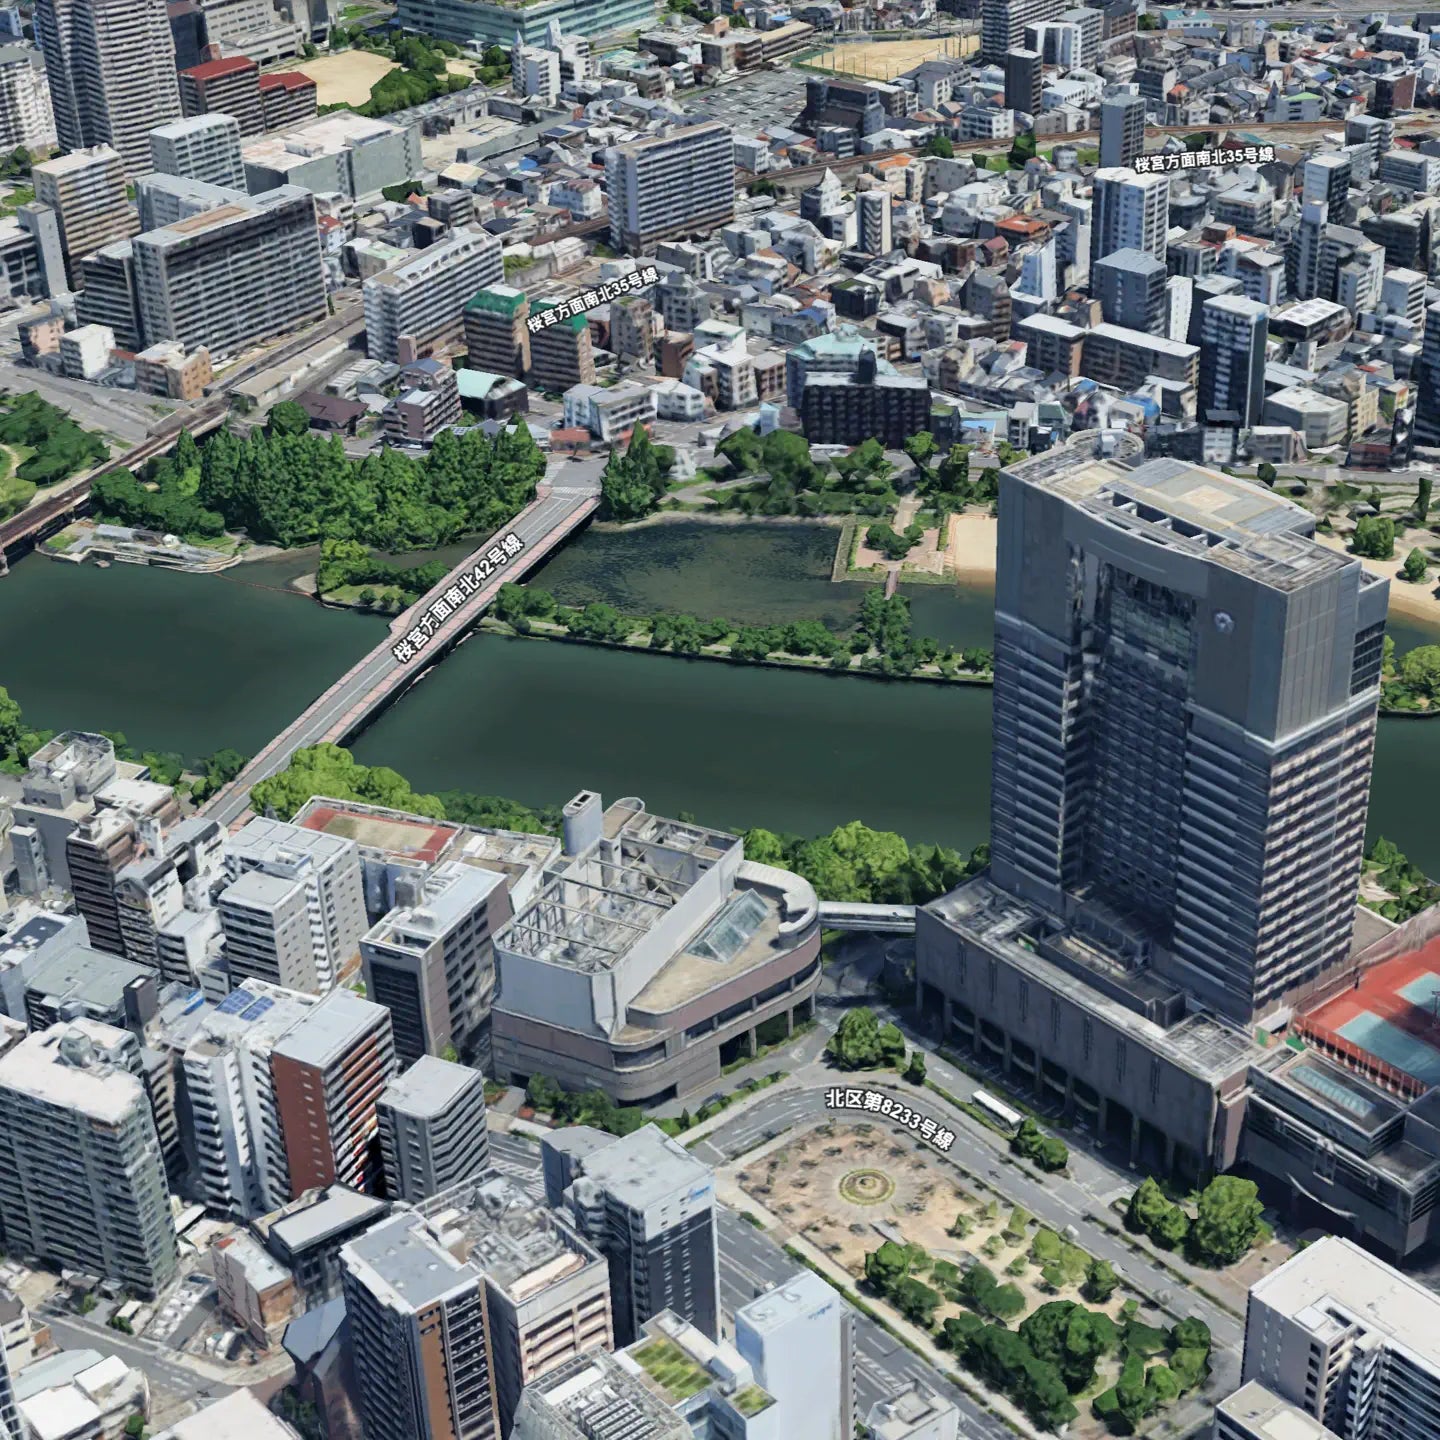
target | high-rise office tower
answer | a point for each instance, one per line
(86, 190)
(433, 1132)
(798, 1339)
(1349, 1340)
(202, 147)
(649, 1206)
(112, 73)
(82, 1180)
(1003, 22)
(1024, 80)
(1122, 129)
(329, 1071)
(243, 272)
(420, 1336)
(1131, 212)
(1130, 286)
(670, 185)
(873, 211)
(1232, 361)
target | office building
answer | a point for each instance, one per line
(431, 960)
(872, 208)
(1131, 212)
(419, 1335)
(669, 186)
(227, 87)
(229, 277)
(1255, 1413)
(328, 866)
(1024, 80)
(1130, 286)
(1145, 908)
(419, 304)
(649, 1207)
(26, 119)
(1003, 22)
(1052, 346)
(202, 147)
(1349, 1340)
(86, 192)
(288, 98)
(112, 74)
(24, 263)
(652, 945)
(498, 22)
(432, 1129)
(308, 1235)
(340, 153)
(561, 354)
(253, 1289)
(1232, 361)
(79, 983)
(82, 1182)
(596, 1394)
(496, 336)
(915, 1413)
(872, 400)
(330, 1068)
(800, 1344)
(239, 1416)
(1122, 130)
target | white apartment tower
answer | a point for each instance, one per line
(112, 73)
(1131, 212)
(201, 147)
(25, 114)
(670, 185)
(1003, 22)
(1232, 360)
(873, 207)
(1350, 1341)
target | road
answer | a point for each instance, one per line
(574, 490)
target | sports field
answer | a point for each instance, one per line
(346, 78)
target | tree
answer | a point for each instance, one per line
(627, 486)
(1265, 473)
(331, 770)
(1049, 1152)
(1022, 149)
(921, 448)
(287, 418)
(915, 1070)
(941, 147)
(1415, 566)
(1422, 497)
(917, 1302)
(1071, 1338)
(855, 1045)
(1227, 1220)
(1374, 537)
(1100, 1281)
(1190, 1334)
(1420, 669)
(886, 1267)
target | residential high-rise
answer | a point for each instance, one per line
(200, 147)
(86, 190)
(107, 293)
(1232, 361)
(649, 1206)
(496, 336)
(329, 868)
(1130, 286)
(1024, 80)
(82, 1181)
(872, 400)
(799, 1341)
(1131, 212)
(1302, 257)
(287, 97)
(670, 185)
(420, 1335)
(9, 1415)
(420, 303)
(1003, 22)
(25, 115)
(1122, 129)
(433, 1132)
(432, 963)
(561, 354)
(265, 919)
(229, 87)
(1347, 1339)
(1427, 381)
(329, 1069)
(112, 73)
(872, 209)
(1326, 180)
(243, 272)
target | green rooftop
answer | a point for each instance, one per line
(575, 322)
(752, 1400)
(499, 300)
(671, 1369)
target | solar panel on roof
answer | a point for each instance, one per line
(263, 1004)
(235, 1002)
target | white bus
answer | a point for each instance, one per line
(997, 1110)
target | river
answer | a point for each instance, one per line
(193, 663)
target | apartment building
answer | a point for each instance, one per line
(497, 338)
(329, 1069)
(107, 293)
(200, 147)
(26, 118)
(328, 869)
(418, 305)
(1125, 358)
(1233, 333)
(287, 98)
(433, 1132)
(670, 185)
(86, 191)
(246, 271)
(1130, 212)
(228, 87)
(82, 1181)
(112, 74)
(1003, 22)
